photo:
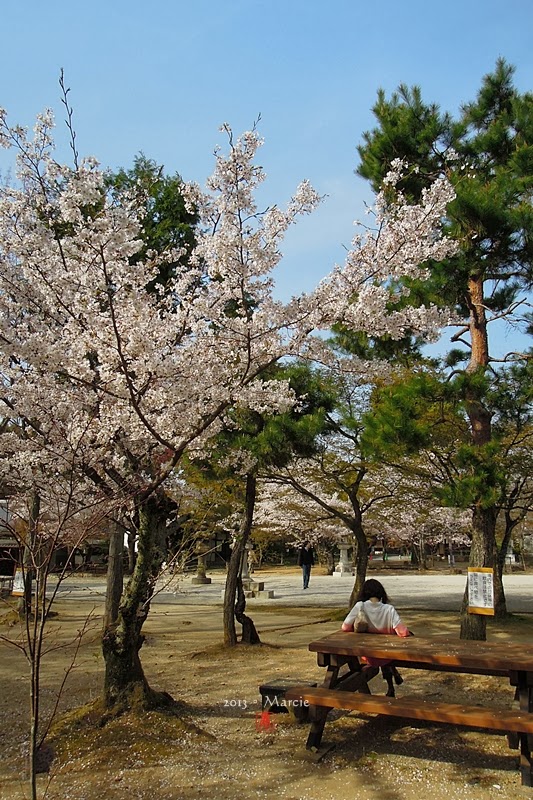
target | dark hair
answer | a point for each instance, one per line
(373, 588)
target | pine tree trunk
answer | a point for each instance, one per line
(230, 593)
(234, 569)
(125, 685)
(510, 525)
(249, 631)
(483, 552)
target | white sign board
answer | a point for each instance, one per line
(481, 590)
(18, 584)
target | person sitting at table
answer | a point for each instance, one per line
(374, 614)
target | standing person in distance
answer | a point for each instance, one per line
(306, 559)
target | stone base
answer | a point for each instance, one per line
(345, 574)
(250, 585)
(262, 594)
(253, 594)
(203, 579)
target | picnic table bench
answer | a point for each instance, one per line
(347, 677)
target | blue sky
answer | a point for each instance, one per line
(161, 77)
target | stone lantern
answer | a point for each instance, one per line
(201, 551)
(344, 567)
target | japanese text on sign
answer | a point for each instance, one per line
(480, 590)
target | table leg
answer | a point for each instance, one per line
(314, 739)
(356, 679)
(526, 704)
(525, 760)
(319, 714)
(523, 700)
(331, 679)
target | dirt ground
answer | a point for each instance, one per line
(229, 754)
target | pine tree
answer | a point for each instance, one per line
(487, 153)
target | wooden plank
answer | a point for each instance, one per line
(441, 650)
(356, 681)
(418, 708)
(495, 673)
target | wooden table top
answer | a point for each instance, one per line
(438, 650)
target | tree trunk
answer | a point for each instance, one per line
(510, 525)
(25, 602)
(115, 575)
(482, 554)
(361, 561)
(230, 592)
(483, 550)
(249, 631)
(234, 570)
(125, 685)
(358, 533)
(132, 555)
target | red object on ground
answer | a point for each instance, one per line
(263, 721)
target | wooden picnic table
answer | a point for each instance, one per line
(348, 675)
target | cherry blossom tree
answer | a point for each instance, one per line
(287, 514)
(420, 527)
(341, 479)
(332, 495)
(51, 506)
(145, 376)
